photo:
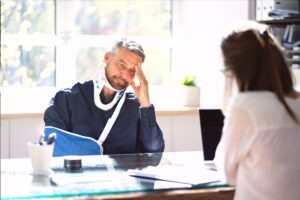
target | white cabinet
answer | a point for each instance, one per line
(22, 131)
(16, 133)
(4, 138)
(186, 135)
(181, 132)
(165, 125)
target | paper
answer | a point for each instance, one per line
(177, 174)
(84, 178)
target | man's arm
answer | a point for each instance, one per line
(150, 134)
(57, 114)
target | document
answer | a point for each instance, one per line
(179, 174)
(61, 179)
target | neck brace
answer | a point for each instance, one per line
(100, 81)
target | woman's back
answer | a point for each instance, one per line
(262, 149)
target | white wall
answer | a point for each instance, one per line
(198, 34)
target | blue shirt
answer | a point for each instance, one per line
(134, 131)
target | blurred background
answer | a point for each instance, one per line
(47, 45)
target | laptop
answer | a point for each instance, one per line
(211, 125)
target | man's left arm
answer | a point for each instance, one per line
(150, 134)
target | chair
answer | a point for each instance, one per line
(211, 125)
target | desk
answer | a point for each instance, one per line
(106, 177)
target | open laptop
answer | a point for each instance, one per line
(211, 125)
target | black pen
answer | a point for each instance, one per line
(41, 140)
(51, 138)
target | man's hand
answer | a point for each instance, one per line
(141, 88)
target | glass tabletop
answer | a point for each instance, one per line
(101, 175)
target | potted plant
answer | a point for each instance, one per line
(189, 92)
(189, 80)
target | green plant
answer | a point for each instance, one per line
(189, 80)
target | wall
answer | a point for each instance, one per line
(198, 33)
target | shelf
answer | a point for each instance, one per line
(293, 61)
(296, 67)
(160, 111)
(292, 52)
(282, 22)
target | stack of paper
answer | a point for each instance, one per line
(178, 174)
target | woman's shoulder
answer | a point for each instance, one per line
(264, 107)
(257, 98)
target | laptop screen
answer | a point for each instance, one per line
(211, 124)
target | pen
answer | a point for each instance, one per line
(41, 140)
(51, 138)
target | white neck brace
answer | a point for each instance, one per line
(100, 81)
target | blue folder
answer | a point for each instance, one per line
(67, 143)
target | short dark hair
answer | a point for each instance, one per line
(131, 46)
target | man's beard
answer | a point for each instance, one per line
(118, 82)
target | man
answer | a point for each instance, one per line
(90, 107)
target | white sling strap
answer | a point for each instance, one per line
(99, 82)
(110, 122)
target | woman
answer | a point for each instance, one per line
(259, 151)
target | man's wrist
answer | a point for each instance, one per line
(145, 104)
(147, 116)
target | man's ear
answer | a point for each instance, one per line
(107, 57)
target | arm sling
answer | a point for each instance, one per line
(68, 143)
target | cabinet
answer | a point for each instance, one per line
(16, 132)
(181, 131)
(4, 138)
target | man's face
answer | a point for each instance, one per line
(120, 67)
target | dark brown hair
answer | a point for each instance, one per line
(258, 64)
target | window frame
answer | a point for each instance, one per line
(64, 41)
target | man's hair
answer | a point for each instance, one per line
(257, 63)
(130, 45)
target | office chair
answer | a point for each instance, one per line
(211, 125)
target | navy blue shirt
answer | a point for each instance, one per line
(134, 131)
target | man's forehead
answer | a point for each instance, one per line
(127, 57)
(127, 64)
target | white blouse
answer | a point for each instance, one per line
(259, 151)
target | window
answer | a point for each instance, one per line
(57, 43)
(27, 55)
